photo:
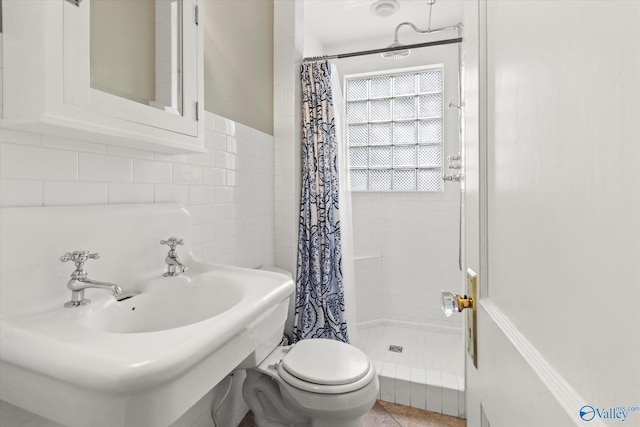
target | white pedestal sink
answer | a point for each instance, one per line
(142, 361)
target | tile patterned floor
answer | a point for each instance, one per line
(385, 414)
(393, 415)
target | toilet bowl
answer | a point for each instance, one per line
(315, 382)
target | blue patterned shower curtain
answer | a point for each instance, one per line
(319, 305)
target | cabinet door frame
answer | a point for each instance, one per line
(46, 83)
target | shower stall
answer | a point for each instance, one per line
(407, 242)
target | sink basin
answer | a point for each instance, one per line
(144, 360)
(167, 303)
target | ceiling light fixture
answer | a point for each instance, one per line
(385, 8)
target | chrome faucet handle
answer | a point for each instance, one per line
(79, 257)
(175, 267)
(172, 242)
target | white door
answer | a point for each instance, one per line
(552, 211)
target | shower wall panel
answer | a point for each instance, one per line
(409, 245)
(368, 274)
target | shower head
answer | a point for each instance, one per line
(396, 54)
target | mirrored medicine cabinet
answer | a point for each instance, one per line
(125, 73)
(139, 57)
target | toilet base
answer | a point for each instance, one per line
(262, 394)
(337, 410)
(273, 405)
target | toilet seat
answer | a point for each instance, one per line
(326, 366)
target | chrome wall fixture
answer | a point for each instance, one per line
(398, 54)
(454, 104)
(455, 164)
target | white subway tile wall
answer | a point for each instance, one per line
(104, 168)
(368, 276)
(406, 248)
(229, 191)
(36, 162)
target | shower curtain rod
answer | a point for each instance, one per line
(383, 50)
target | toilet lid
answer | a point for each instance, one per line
(326, 362)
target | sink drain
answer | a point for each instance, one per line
(395, 348)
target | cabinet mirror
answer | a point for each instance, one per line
(136, 51)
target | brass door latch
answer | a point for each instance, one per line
(453, 302)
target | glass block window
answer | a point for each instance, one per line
(395, 131)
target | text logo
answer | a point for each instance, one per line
(617, 413)
(587, 413)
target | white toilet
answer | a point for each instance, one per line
(315, 382)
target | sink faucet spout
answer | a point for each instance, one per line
(175, 266)
(79, 285)
(79, 280)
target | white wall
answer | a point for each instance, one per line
(288, 41)
(229, 192)
(238, 60)
(412, 237)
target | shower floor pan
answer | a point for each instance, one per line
(428, 372)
